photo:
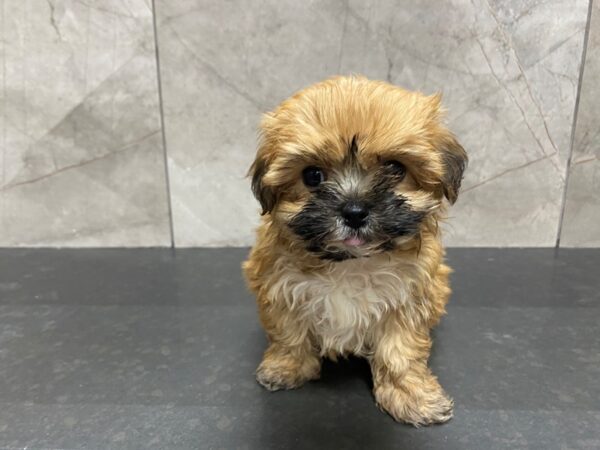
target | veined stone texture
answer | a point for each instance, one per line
(581, 223)
(82, 160)
(508, 71)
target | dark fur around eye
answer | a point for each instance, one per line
(317, 218)
(395, 167)
(392, 216)
(313, 176)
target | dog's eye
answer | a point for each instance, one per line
(313, 176)
(397, 167)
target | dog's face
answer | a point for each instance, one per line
(351, 167)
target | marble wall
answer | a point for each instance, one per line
(581, 223)
(508, 71)
(82, 155)
(82, 150)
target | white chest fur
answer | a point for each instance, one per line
(342, 305)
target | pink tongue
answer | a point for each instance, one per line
(354, 241)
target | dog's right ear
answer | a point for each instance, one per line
(265, 195)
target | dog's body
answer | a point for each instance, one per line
(348, 260)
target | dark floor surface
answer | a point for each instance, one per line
(153, 349)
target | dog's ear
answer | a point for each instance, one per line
(454, 159)
(453, 156)
(264, 194)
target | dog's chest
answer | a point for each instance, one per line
(342, 306)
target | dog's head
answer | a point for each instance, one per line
(352, 167)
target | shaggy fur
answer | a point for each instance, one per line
(321, 296)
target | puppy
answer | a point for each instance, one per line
(352, 176)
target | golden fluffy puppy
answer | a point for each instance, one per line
(352, 175)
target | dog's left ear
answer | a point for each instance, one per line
(455, 160)
(453, 156)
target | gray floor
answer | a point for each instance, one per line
(153, 349)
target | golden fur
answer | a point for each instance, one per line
(383, 306)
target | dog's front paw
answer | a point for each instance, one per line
(286, 373)
(416, 404)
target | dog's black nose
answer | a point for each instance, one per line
(354, 214)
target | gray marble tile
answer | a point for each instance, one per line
(195, 427)
(582, 207)
(82, 158)
(487, 358)
(513, 277)
(508, 71)
(137, 364)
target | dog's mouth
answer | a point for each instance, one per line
(355, 244)
(354, 241)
